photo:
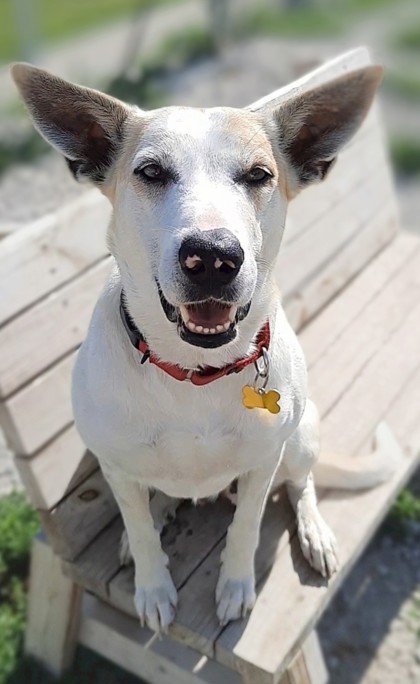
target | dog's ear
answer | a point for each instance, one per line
(313, 126)
(83, 124)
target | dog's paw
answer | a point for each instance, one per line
(156, 604)
(318, 544)
(124, 552)
(235, 597)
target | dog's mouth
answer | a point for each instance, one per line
(208, 318)
(210, 323)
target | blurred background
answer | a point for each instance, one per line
(217, 52)
(155, 52)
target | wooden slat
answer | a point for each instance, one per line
(53, 611)
(61, 466)
(120, 639)
(40, 410)
(80, 517)
(35, 261)
(299, 261)
(49, 330)
(343, 310)
(366, 335)
(307, 301)
(374, 388)
(94, 570)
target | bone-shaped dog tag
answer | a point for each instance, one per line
(253, 398)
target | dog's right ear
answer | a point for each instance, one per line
(83, 124)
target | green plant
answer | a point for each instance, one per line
(12, 625)
(304, 21)
(18, 524)
(406, 507)
(405, 155)
(409, 39)
(177, 52)
(56, 20)
(25, 149)
(406, 85)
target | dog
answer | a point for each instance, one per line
(191, 377)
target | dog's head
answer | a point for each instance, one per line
(199, 195)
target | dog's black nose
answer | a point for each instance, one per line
(211, 258)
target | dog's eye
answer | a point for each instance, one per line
(257, 175)
(152, 172)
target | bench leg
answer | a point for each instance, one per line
(53, 611)
(308, 666)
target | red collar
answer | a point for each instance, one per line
(197, 377)
(208, 374)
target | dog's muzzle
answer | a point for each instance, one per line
(210, 262)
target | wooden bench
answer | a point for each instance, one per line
(351, 286)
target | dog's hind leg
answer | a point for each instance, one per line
(300, 454)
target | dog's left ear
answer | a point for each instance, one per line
(312, 127)
(83, 124)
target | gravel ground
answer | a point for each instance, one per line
(370, 633)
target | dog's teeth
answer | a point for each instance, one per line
(206, 331)
(184, 314)
(191, 326)
(220, 328)
(232, 313)
(199, 328)
(212, 331)
(226, 325)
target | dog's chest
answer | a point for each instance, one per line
(194, 452)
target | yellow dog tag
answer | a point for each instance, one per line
(253, 398)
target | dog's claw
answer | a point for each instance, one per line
(234, 598)
(156, 605)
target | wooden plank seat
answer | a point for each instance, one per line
(350, 285)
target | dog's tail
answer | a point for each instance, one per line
(365, 472)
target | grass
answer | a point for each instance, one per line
(409, 39)
(176, 53)
(54, 20)
(306, 20)
(404, 85)
(26, 149)
(405, 155)
(302, 22)
(18, 525)
(407, 507)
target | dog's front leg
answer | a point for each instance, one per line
(155, 596)
(235, 592)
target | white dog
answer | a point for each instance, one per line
(189, 333)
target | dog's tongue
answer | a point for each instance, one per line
(208, 314)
